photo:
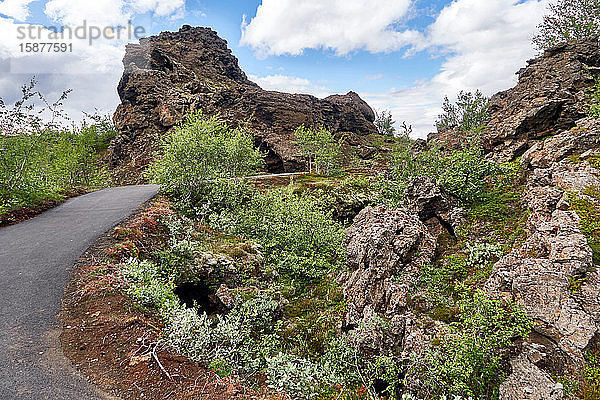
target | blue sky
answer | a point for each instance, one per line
(401, 55)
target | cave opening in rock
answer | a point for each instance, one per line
(200, 295)
(273, 162)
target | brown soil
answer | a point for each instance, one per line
(24, 213)
(117, 344)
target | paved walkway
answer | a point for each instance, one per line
(36, 257)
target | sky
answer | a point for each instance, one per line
(399, 55)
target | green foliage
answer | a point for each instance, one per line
(385, 123)
(468, 114)
(39, 159)
(323, 151)
(299, 237)
(568, 20)
(594, 110)
(201, 150)
(242, 342)
(590, 387)
(456, 276)
(312, 317)
(464, 172)
(587, 206)
(467, 360)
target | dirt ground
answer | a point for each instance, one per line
(117, 344)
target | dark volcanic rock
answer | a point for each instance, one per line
(437, 209)
(175, 73)
(551, 96)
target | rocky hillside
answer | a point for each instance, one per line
(553, 273)
(550, 97)
(176, 73)
(467, 269)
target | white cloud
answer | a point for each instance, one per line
(290, 84)
(92, 71)
(109, 12)
(17, 9)
(484, 42)
(290, 27)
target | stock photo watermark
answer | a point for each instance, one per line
(60, 49)
(37, 38)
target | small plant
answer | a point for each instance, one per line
(405, 131)
(590, 387)
(587, 206)
(322, 150)
(568, 20)
(385, 123)
(468, 114)
(594, 110)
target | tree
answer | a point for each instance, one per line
(385, 123)
(200, 151)
(321, 149)
(568, 20)
(469, 113)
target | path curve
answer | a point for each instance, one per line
(36, 257)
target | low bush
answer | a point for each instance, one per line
(199, 151)
(467, 359)
(464, 172)
(40, 159)
(594, 110)
(300, 238)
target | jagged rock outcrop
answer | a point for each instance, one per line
(438, 210)
(385, 250)
(551, 96)
(552, 275)
(172, 74)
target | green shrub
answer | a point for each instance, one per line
(39, 159)
(468, 114)
(594, 110)
(323, 151)
(385, 123)
(199, 151)
(568, 20)
(587, 206)
(467, 360)
(464, 173)
(299, 237)
(590, 387)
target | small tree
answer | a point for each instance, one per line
(321, 149)
(385, 123)
(568, 20)
(469, 113)
(405, 131)
(201, 150)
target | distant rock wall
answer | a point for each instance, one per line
(175, 73)
(551, 96)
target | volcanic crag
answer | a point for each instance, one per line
(176, 73)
